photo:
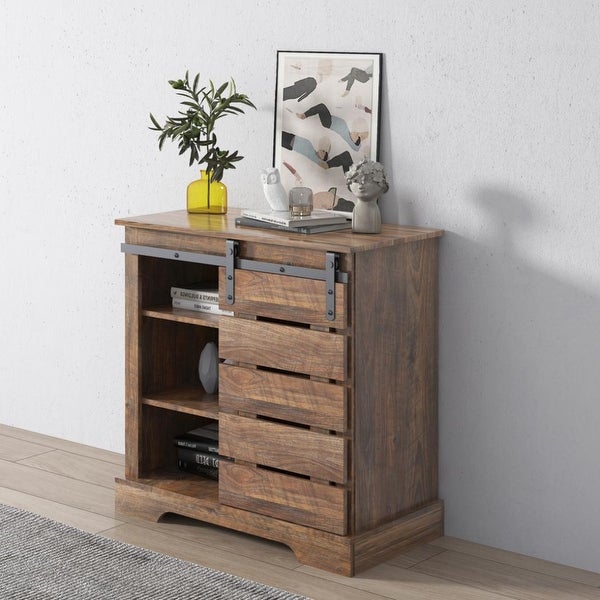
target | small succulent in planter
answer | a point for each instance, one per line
(194, 130)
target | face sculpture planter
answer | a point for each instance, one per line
(366, 180)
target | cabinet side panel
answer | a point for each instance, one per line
(396, 430)
(132, 365)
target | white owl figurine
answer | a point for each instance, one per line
(274, 192)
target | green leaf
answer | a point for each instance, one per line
(192, 128)
(156, 124)
(222, 88)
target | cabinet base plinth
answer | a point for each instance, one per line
(345, 555)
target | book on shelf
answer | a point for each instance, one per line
(199, 306)
(191, 467)
(318, 216)
(196, 442)
(209, 430)
(205, 459)
(316, 228)
(201, 292)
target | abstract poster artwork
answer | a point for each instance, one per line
(326, 118)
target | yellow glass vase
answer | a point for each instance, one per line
(206, 197)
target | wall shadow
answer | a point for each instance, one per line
(519, 392)
(397, 206)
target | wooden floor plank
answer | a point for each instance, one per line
(224, 539)
(76, 466)
(518, 560)
(504, 579)
(396, 583)
(254, 569)
(73, 484)
(414, 555)
(74, 517)
(16, 449)
(58, 444)
(64, 490)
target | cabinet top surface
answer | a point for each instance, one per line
(223, 226)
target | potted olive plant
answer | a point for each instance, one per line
(194, 130)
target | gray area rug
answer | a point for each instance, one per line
(44, 560)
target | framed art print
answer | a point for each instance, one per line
(326, 118)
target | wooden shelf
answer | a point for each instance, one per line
(190, 400)
(180, 315)
(186, 484)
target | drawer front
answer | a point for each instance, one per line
(283, 347)
(289, 298)
(284, 497)
(284, 397)
(301, 451)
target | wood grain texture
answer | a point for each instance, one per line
(283, 297)
(40, 439)
(283, 447)
(335, 553)
(272, 563)
(284, 497)
(212, 227)
(284, 397)
(176, 239)
(395, 346)
(241, 558)
(289, 381)
(389, 581)
(184, 316)
(283, 347)
(57, 488)
(513, 559)
(160, 427)
(509, 581)
(58, 511)
(312, 546)
(170, 354)
(376, 545)
(133, 365)
(74, 465)
(194, 401)
(15, 449)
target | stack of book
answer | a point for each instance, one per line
(319, 221)
(199, 297)
(198, 451)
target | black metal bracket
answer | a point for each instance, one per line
(231, 250)
(331, 265)
(231, 261)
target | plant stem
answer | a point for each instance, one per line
(208, 182)
(208, 194)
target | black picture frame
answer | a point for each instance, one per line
(327, 117)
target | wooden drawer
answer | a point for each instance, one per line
(283, 447)
(283, 347)
(284, 497)
(288, 298)
(284, 397)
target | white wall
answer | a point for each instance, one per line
(491, 130)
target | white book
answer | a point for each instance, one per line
(319, 216)
(319, 228)
(208, 307)
(201, 293)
